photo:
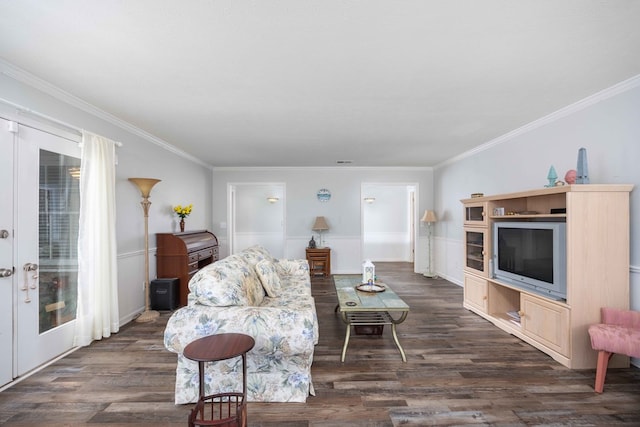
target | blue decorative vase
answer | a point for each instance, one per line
(582, 177)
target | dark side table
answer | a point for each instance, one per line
(222, 409)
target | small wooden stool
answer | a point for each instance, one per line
(222, 409)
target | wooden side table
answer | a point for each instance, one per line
(319, 260)
(222, 409)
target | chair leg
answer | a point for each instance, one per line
(601, 369)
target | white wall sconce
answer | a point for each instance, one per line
(369, 200)
(272, 199)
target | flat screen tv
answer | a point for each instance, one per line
(532, 256)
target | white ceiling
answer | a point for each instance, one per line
(308, 83)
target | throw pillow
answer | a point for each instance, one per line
(219, 285)
(268, 277)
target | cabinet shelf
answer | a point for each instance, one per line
(508, 321)
(533, 216)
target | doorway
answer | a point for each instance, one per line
(388, 221)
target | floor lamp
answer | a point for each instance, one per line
(429, 218)
(145, 185)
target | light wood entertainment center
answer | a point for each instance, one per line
(597, 267)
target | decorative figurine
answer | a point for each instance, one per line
(312, 243)
(552, 176)
(582, 176)
(570, 176)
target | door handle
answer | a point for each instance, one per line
(4, 234)
(30, 266)
(27, 268)
(6, 272)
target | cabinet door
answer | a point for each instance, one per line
(475, 213)
(475, 293)
(476, 251)
(546, 322)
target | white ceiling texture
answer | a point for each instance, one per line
(310, 83)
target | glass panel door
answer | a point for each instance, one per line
(48, 200)
(476, 255)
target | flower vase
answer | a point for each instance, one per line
(181, 225)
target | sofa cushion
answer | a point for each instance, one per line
(252, 287)
(223, 283)
(268, 277)
(214, 287)
(292, 268)
(253, 254)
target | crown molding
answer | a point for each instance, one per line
(35, 82)
(319, 168)
(597, 97)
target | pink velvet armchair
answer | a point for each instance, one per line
(618, 333)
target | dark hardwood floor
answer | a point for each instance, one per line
(460, 370)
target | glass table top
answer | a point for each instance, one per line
(351, 299)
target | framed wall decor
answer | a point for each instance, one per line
(323, 195)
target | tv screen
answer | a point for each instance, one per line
(526, 252)
(531, 255)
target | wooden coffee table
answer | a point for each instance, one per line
(363, 308)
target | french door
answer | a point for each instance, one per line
(44, 199)
(6, 253)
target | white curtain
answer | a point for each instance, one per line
(97, 314)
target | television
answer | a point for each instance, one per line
(531, 256)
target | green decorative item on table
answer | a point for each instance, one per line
(552, 176)
(182, 212)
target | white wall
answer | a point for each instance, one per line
(184, 180)
(342, 212)
(607, 125)
(257, 221)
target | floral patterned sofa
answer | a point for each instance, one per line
(252, 293)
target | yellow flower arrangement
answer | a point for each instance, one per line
(183, 211)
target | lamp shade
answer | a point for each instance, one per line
(145, 185)
(320, 224)
(429, 216)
